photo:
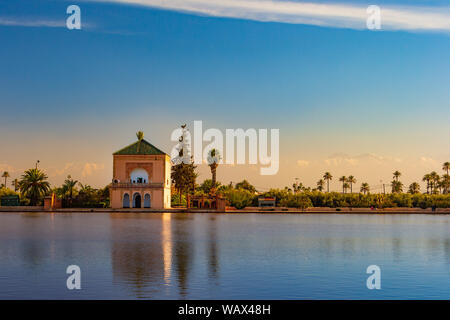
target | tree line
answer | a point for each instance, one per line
(33, 186)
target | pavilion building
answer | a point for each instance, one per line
(141, 177)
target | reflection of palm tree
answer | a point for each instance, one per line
(328, 177)
(34, 185)
(343, 179)
(6, 176)
(213, 256)
(351, 180)
(365, 187)
(213, 162)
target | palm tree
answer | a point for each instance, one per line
(6, 176)
(346, 186)
(85, 188)
(397, 175)
(298, 187)
(446, 182)
(15, 184)
(446, 166)
(365, 187)
(427, 178)
(343, 179)
(328, 177)
(445, 179)
(434, 180)
(69, 187)
(414, 188)
(351, 180)
(34, 185)
(320, 185)
(213, 162)
(397, 186)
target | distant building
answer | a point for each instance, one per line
(141, 177)
(266, 202)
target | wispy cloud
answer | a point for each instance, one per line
(90, 168)
(31, 22)
(332, 15)
(340, 159)
(302, 163)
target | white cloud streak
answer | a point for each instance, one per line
(15, 22)
(411, 18)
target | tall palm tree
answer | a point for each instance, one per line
(445, 178)
(320, 184)
(6, 176)
(434, 181)
(69, 186)
(213, 162)
(446, 166)
(414, 188)
(397, 186)
(343, 179)
(328, 177)
(427, 178)
(397, 175)
(15, 184)
(351, 180)
(346, 186)
(34, 185)
(446, 183)
(365, 187)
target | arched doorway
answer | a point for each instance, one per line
(147, 202)
(136, 200)
(126, 200)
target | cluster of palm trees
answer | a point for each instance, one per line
(347, 183)
(435, 183)
(32, 185)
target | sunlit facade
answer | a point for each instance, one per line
(141, 177)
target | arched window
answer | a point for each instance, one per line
(139, 175)
(126, 200)
(147, 202)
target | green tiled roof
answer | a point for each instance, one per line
(140, 147)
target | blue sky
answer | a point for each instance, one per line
(75, 96)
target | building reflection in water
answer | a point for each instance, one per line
(183, 250)
(150, 252)
(166, 239)
(213, 254)
(136, 252)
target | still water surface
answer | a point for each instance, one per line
(224, 256)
